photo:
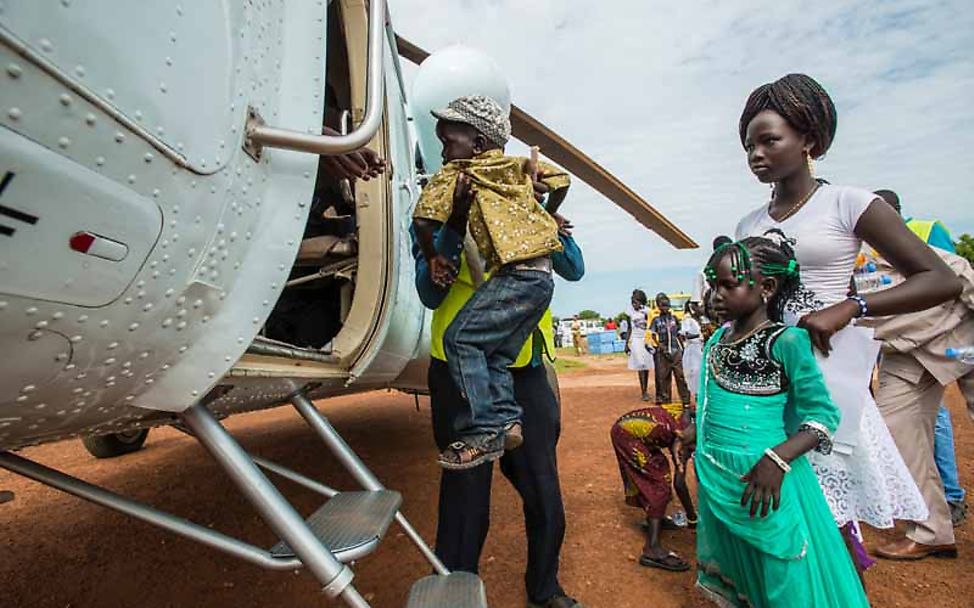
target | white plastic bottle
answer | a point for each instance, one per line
(870, 281)
(965, 354)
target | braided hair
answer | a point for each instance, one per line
(804, 105)
(771, 256)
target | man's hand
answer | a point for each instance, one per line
(442, 272)
(463, 193)
(362, 164)
(565, 225)
(541, 189)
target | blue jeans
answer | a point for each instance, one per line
(943, 454)
(485, 338)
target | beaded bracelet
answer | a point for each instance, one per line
(861, 302)
(778, 460)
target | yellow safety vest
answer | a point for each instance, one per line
(461, 291)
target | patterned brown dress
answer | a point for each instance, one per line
(640, 439)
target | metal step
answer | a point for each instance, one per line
(454, 590)
(350, 524)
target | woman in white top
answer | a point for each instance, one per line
(785, 124)
(692, 336)
(640, 353)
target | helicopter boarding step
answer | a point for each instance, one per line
(350, 524)
(454, 590)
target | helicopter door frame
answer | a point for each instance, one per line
(383, 329)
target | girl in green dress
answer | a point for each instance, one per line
(765, 536)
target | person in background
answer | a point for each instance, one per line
(641, 439)
(464, 499)
(577, 336)
(610, 325)
(692, 334)
(640, 353)
(624, 328)
(668, 359)
(935, 234)
(913, 374)
(700, 280)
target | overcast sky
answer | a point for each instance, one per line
(653, 91)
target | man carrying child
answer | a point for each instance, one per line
(515, 237)
(464, 497)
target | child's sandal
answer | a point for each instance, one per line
(461, 455)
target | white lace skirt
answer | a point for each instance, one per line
(639, 358)
(872, 484)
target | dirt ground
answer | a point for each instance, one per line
(58, 551)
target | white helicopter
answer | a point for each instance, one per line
(160, 262)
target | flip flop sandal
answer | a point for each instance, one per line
(460, 455)
(667, 524)
(680, 566)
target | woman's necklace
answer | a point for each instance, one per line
(759, 327)
(798, 204)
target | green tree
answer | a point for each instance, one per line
(589, 314)
(965, 247)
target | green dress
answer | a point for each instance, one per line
(755, 393)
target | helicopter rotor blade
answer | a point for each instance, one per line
(534, 133)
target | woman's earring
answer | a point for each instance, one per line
(810, 163)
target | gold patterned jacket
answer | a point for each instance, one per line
(506, 221)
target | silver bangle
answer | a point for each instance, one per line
(778, 460)
(824, 445)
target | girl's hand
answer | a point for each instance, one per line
(763, 486)
(823, 324)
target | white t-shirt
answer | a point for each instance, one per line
(690, 327)
(699, 287)
(638, 316)
(823, 235)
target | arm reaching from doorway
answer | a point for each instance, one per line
(362, 164)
